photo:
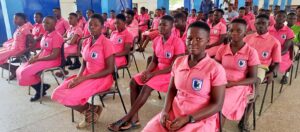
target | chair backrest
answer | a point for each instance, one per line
(132, 51)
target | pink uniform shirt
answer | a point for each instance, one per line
(119, 39)
(142, 19)
(71, 32)
(215, 33)
(155, 23)
(133, 28)
(62, 26)
(37, 31)
(49, 42)
(86, 31)
(267, 47)
(81, 22)
(110, 24)
(250, 16)
(191, 20)
(28, 25)
(176, 32)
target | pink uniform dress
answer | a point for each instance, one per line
(236, 67)
(282, 35)
(165, 52)
(272, 21)
(191, 19)
(28, 74)
(250, 16)
(81, 22)
(37, 31)
(142, 18)
(154, 33)
(72, 48)
(7, 43)
(267, 47)
(15, 46)
(119, 39)
(29, 26)
(176, 32)
(62, 26)
(133, 28)
(86, 31)
(194, 87)
(215, 33)
(95, 56)
(110, 24)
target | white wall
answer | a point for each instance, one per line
(67, 6)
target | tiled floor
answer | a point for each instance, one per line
(19, 115)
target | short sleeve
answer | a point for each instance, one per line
(128, 37)
(180, 47)
(174, 67)
(66, 24)
(154, 43)
(218, 55)
(79, 32)
(218, 76)
(58, 41)
(223, 29)
(276, 52)
(253, 58)
(26, 31)
(108, 48)
(290, 34)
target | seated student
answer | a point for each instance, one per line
(217, 33)
(49, 57)
(196, 90)
(105, 29)
(271, 18)
(62, 25)
(28, 25)
(81, 19)
(210, 17)
(192, 18)
(291, 23)
(143, 20)
(152, 33)
(22, 38)
(71, 38)
(111, 21)
(136, 14)
(132, 24)
(242, 15)
(94, 76)
(180, 26)
(200, 16)
(267, 47)
(167, 47)
(248, 13)
(240, 62)
(285, 36)
(38, 30)
(122, 41)
(86, 32)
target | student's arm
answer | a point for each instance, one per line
(29, 44)
(79, 74)
(145, 22)
(287, 45)
(152, 64)
(219, 42)
(167, 69)
(251, 79)
(125, 51)
(55, 53)
(73, 39)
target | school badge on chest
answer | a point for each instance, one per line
(37, 30)
(120, 40)
(46, 44)
(94, 55)
(168, 54)
(283, 36)
(241, 63)
(197, 84)
(265, 54)
(215, 31)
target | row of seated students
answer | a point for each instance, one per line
(203, 67)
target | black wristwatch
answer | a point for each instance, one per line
(191, 119)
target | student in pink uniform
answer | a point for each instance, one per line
(210, 17)
(132, 24)
(81, 19)
(248, 13)
(22, 39)
(285, 36)
(143, 20)
(94, 76)
(105, 29)
(192, 18)
(242, 15)
(61, 24)
(240, 62)
(298, 16)
(50, 56)
(152, 33)
(38, 30)
(167, 47)
(136, 14)
(267, 47)
(217, 33)
(71, 38)
(86, 32)
(122, 41)
(196, 90)
(111, 21)
(180, 26)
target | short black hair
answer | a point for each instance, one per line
(79, 11)
(194, 10)
(98, 17)
(292, 14)
(201, 25)
(262, 9)
(298, 7)
(264, 16)
(201, 12)
(121, 17)
(185, 13)
(104, 13)
(38, 14)
(112, 11)
(158, 9)
(163, 8)
(130, 12)
(242, 8)
(56, 8)
(277, 6)
(21, 15)
(52, 18)
(73, 14)
(143, 8)
(211, 12)
(282, 12)
(219, 10)
(240, 21)
(180, 16)
(91, 10)
(168, 18)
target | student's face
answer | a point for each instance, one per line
(79, 14)
(196, 40)
(261, 25)
(193, 13)
(95, 27)
(104, 16)
(179, 22)
(247, 9)
(276, 9)
(165, 27)
(18, 20)
(217, 16)
(260, 12)
(119, 24)
(48, 24)
(157, 13)
(112, 14)
(268, 12)
(242, 13)
(129, 18)
(72, 20)
(291, 19)
(142, 11)
(237, 31)
(37, 18)
(88, 14)
(56, 12)
(230, 8)
(280, 18)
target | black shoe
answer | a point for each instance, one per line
(68, 62)
(46, 87)
(284, 80)
(74, 66)
(17, 60)
(35, 97)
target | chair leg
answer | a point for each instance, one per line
(272, 91)
(137, 68)
(120, 95)
(254, 116)
(291, 76)
(143, 55)
(100, 97)
(29, 90)
(159, 96)
(220, 121)
(42, 87)
(9, 71)
(2, 72)
(123, 73)
(296, 73)
(93, 115)
(73, 116)
(128, 72)
(52, 72)
(263, 101)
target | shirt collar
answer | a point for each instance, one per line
(185, 64)
(263, 35)
(241, 51)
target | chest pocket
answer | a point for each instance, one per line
(265, 54)
(165, 52)
(46, 43)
